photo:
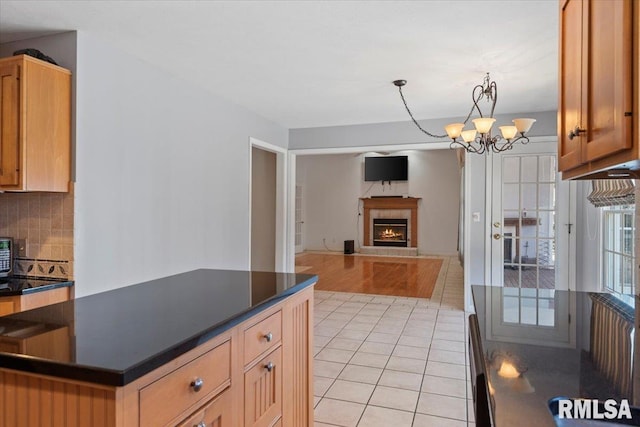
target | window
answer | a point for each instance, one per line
(618, 249)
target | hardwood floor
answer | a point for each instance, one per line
(399, 276)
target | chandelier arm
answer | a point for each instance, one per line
(414, 120)
(508, 145)
(494, 91)
(505, 147)
(467, 147)
(476, 99)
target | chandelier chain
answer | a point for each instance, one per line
(414, 120)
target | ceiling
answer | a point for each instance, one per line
(324, 63)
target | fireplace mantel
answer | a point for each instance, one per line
(410, 203)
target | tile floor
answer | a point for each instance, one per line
(393, 361)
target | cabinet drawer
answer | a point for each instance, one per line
(263, 391)
(262, 336)
(216, 413)
(171, 395)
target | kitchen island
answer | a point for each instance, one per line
(207, 346)
(531, 345)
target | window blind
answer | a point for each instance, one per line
(612, 192)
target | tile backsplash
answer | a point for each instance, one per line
(45, 222)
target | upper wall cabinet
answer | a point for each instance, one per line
(598, 88)
(35, 125)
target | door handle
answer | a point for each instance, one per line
(497, 236)
(496, 224)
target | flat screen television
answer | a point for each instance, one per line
(386, 168)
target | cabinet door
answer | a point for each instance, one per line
(263, 391)
(607, 108)
(218, 413)
(570, 83)
(9, 124)
(595, 80)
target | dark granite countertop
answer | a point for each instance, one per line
(16, 285)
(120, 335)
(557, 343)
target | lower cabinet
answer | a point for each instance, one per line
(257, 374)
(185, 387)
(216, 413)
(263, 391)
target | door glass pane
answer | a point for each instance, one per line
(546, 196)
(511, 197)
(546, 312)
(511, 169)
(529, 199)
(511, 312)
(546, 168)
(529, 168)
(528, 311)
(546, 223)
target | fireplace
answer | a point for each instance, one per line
(390, 232)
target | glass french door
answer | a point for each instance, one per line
(530, 219)
(531, 245)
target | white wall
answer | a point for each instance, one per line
(162, 172)
(332, 185)
(162, 168)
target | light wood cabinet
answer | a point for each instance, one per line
(598, 87)
(189, 385)
(217, 413)
(17, 303)
(262, 336)
(274, 387)
(35, 125)
(38, 340)
(263, 391)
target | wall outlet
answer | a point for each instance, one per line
(21, 247)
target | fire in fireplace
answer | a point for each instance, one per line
(390, 232)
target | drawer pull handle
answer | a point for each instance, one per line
(268, 337)
(197, 384)
(201, 424)
(269, 366)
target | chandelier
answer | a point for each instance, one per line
(479, 140)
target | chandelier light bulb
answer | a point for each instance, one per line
(508, 132)
(483, 124)
(468, 135)
(523, 125)
(454, 129)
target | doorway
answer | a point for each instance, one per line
(263, 210)
(267, 200)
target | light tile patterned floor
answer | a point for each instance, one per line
(393, 361)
